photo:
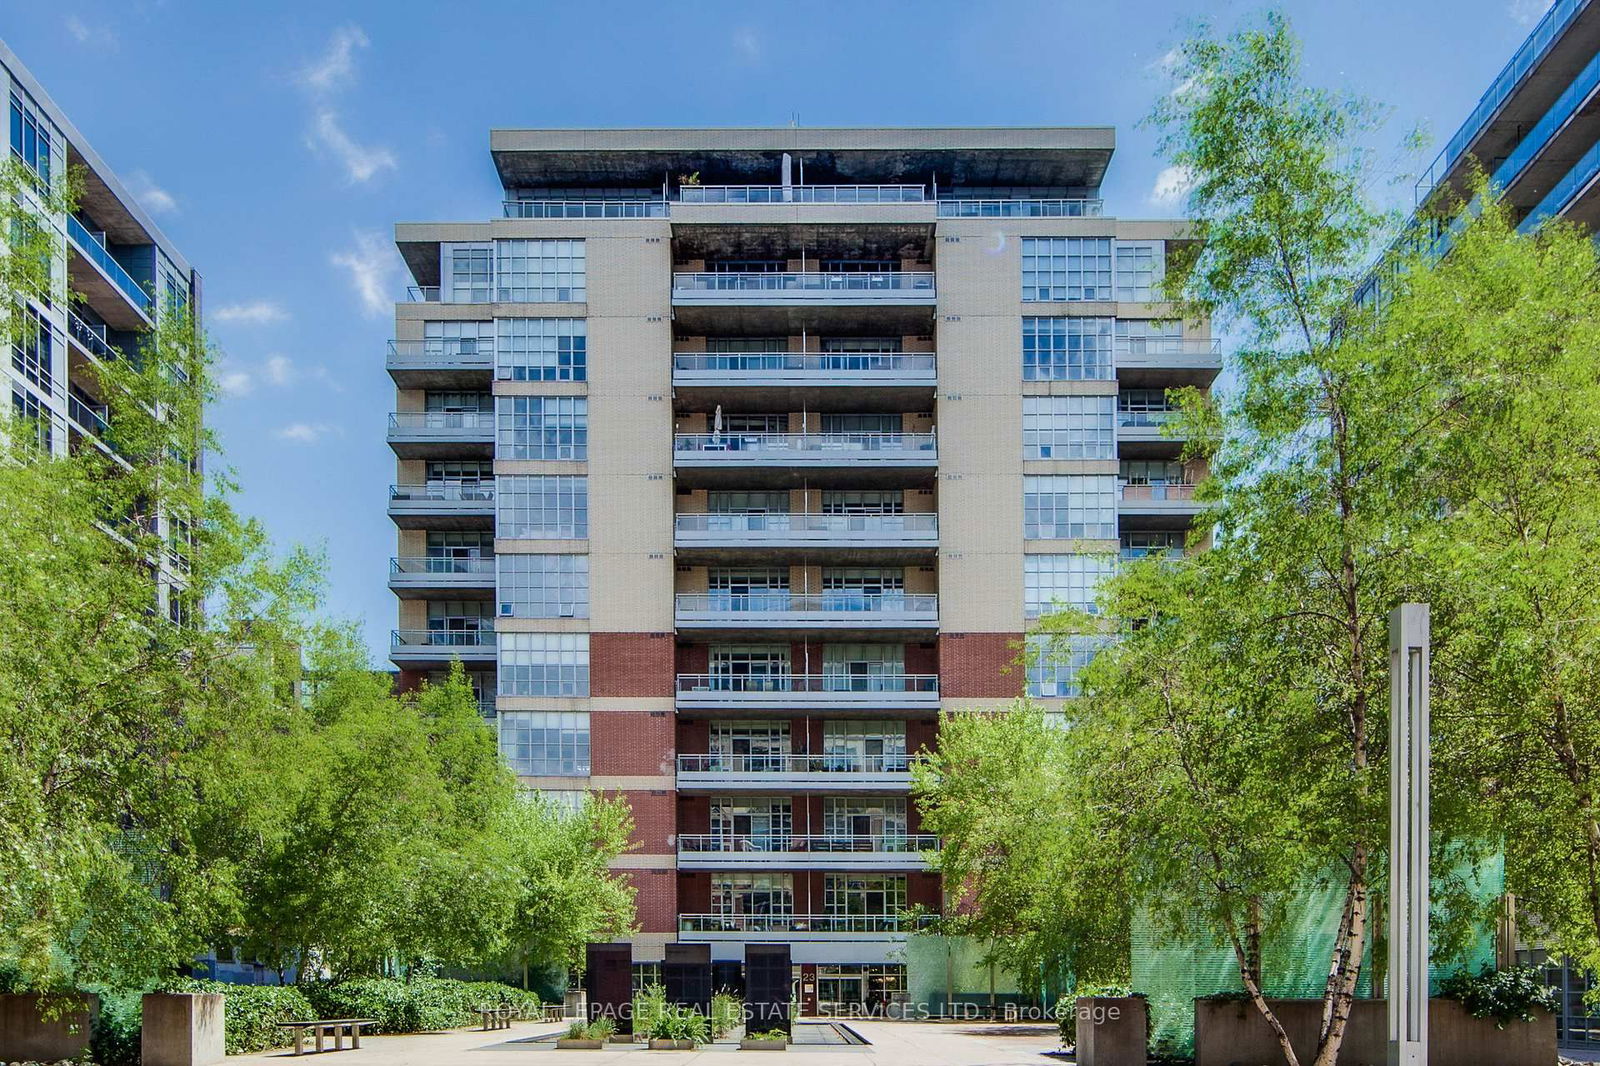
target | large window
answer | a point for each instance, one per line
(864, 815)
(734, 501)
(543, 427)
(873, 746)
(1055, 665)
(544, 664)
(1139, 270)
(542, 349)
(1138, 336)
(880, 895)
(1054, 582)
(549, 507)
(762, 822)
(1066, 349)
(457, 338)
(752, 894)
(27, 407)
(468, 273)
(1070, 507)
(33, 348)
(754, 745)
(31, 139)
(543, 586)
(1066, 268)
(546, 743)
(541, 271)
(863, 501)
(1069, 427)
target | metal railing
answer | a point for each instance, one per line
(843, 763)
(114, 270)
(90, 338)
(806, 283)
(805, 445)
(813, 843)
(799, 923)
(1166, 346)
(1169, 490)
(482, 565)
(835, 601)
(1150, 418)
(1561, 193)
(802, 194)
(445, 492)
(585, 208)
(93, 419)
(780, 364)
(770, 522)
(422, 293)
(1075, 208)
(412, 639)
(445, 352)
(443, 421)
(840, 682)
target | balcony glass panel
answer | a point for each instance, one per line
(96, 251)
(1085, 208)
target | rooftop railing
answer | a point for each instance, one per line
(815, 284)
(448, 564)
(802, 194)
(119, 275)
(1073, 208)
(789, 522)
(841, 682)
(758, 446)
(799, 923)
(827, 843)
(585, 208)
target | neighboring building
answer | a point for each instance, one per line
(120, 270)
(726, 458)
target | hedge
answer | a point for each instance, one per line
(421, 1005)
(251, 1013)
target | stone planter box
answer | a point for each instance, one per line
(671, 1045)
(1233, 1033)
(763, 1045)
(565, 1044)
(181, 1029)
(622, 1038)
(1112, 1030)
(27, 1036)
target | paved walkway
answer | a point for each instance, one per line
(892, 1044)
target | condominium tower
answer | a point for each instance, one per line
(727, 458)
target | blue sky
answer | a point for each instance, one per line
(278, 143)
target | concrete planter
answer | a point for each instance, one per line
(622, 1038)
(1112, 1030)
(564, 1044)
(763, 1045)
(27, 1035)
(1233, 1033)
(671, 1045)
(181, 1029)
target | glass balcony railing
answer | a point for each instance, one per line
(802, 366)
(780, 602)
(422, 293)
(1534, 141)
(889, 842)
(778, 447)
(1562, 192)
(441, 422)
(767, 522)
(1155, 492)
(1076, 208)
(442, 353)
(92, 339)
(823, 683)
(585, 208)
(481, 566)
(802, 194)
(1146, 418)
(841, 763)
(876, 284)
(779, 924)
(102, 258)
(1137, 346)
(401, 640)
(92, 418)
(444, 492)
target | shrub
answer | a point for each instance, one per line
(577, 1031)
(114, 1037)
(601, 1029)
(1067, 1008)
(1505, 995)
(727, 1013)
(648, 1006)
(251, 1013)
(769, 1035)
(679, 1023)
(421, 1005)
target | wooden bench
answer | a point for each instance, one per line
(337, 1027)
(496, 1017)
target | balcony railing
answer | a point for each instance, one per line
(843, 763)
(810, 843)
(760, 684)
(441, 423)
(1138, 346)
(92, 339)
(778, 607)
(1146, 418)
(1080, 208)
(820, 924)
(444, 492)
(93, 419)
(585, 208)
(756, 286)
(444, 353)
(114, 270)
(810, 448)
(1157, 492)
(442, 640)
(802, 194)
(800, 368)
(481, 565)
(422, 293)
(765, 526)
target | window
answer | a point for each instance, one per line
(1159, 542)
(551, 507)
(862, 344)
(459, 471)
(1066, 349)
(752, 894)
(544, 664)
(863, 501)
(1144, 407)
(863, 667)
(721, 501)
(457, 338)
(457, 402)
(1055, 665)
(459, 544)
(763, 823)
(748, 588)
(1139, 336)
(26, 406)
(859, 266)
(468, 273)
(31, 136)
(1152, 472)
(543, 427)
(542, 349)
(864, 816)
(746, 266)
(776, 423)
(1053, 582)
(747, 345)
(1068, 427)
(543, 586)
(750, 667)
(750, 745)
(881, 895)
(1069, 507)
(540, 271)
(886, 423)
(546, 743)
(872, 746)
(1066, 268)
(1139, 270)
(32, 349)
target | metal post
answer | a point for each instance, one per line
(1408, 835)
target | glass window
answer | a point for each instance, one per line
(1137, 544)
(864, 815)
(751, 744)
(459, 544)
(863, 501)
(863, 667)
(1070, 507)
(540, 271)
(546, 743)
(747, 345)
(544, 664)
(762, 823)
(543, 427)
(872, 746)
(457, 402)
(460, 471)
(1152, 472)
(752, 894)
(862, 344)
(1066, 268)
(1139, 336)
(773, 423)
(457, 338)
(1069, 427)
(884, 423)
(721, 501)
(33, 349)
(1139, 270)
(26, 406)
(542, 349)
(750, 661)
(864, 894)
(1144, 407)
(543, 586)
(550, 507)
(468, 273)
(1056, 666)
(1066, 349)
(32, 136)
(1052, 582)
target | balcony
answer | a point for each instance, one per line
(755, 288)
(1078, 208)
(585, 208)
(738, 454)
(1157, 362)
(417, 577)
(1145, 433)
(91, 339)
(1156, 506)
(808, 926)
(442, 434)
(818, 692)
(782, 538)
(817, 851)
(443, 505)
(802, 194)
(841, 609)
(794, 773)
(443, 362)
(808, 378)
(426, 649)
(114, 293)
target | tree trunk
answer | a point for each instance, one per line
(1346, 970)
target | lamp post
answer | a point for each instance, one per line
(1408, 835)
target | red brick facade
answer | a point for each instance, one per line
(980, 666)
(631, 743)
(656, 899)
(631, 664)
(654, 821)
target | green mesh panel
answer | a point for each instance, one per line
(937, 965)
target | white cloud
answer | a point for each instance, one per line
(1527, 12)
(337, 64)
(304, 432)
(371, 263)
(1171, 188)
(746, 44)
(235, 382)
(280, 371)
(250, 313)
(92, 36)
(360, 161)
(155, 199)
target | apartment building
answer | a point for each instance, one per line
(727, 458)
